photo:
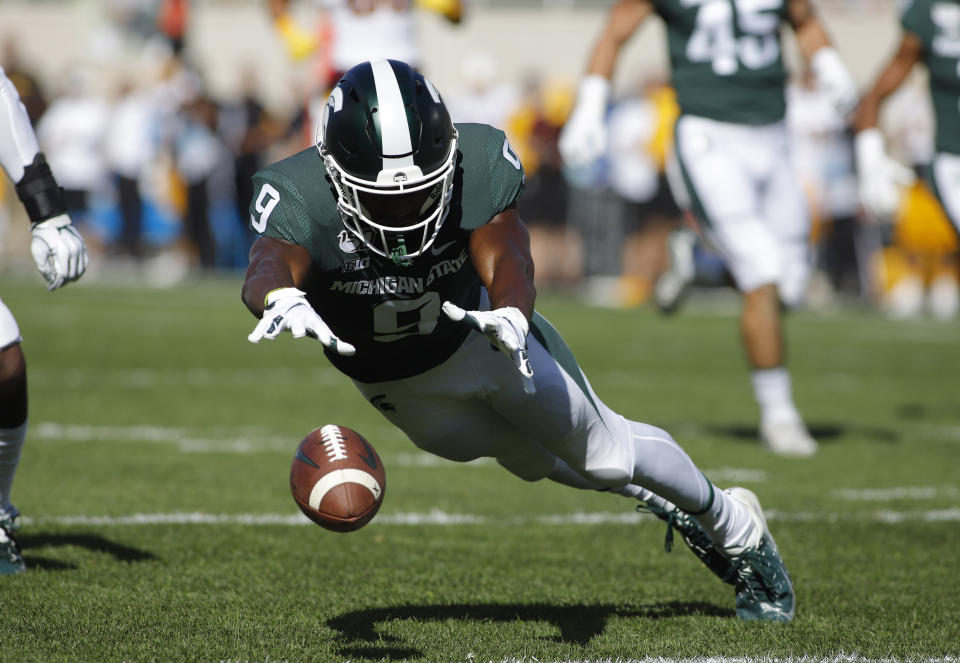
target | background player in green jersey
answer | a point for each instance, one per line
(731, 167)
(393, 241)
(931, 35)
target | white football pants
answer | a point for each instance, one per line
(738, 182)
(473, 405)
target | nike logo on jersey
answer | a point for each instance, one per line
(437, 250)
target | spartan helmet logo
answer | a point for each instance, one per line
(390, 151)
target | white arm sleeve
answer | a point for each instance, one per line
(18, 142)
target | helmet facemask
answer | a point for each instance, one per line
(398, 216)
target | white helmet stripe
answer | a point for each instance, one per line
(394, 130)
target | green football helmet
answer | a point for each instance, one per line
(390, 149)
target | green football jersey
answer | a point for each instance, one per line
(389, 312)
(937, 24)
(726, 59)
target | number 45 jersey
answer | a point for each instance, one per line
(390, 312)
(726, 58)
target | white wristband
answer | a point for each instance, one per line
(280, 293)
(594, 91)
(869, 147)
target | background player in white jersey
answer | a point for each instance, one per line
(61, 257)
(931, 35)
(402, 231)
(732, 165)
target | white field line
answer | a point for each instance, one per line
(438, 517)
(150, 378)
(950, 433)
(897, 493)
(839, 658)
(241, 441)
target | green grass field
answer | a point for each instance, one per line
(159, 525)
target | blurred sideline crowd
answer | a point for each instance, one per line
(157, 171)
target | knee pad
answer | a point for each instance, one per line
(609, 462)
(608, 477)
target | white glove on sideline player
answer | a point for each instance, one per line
(583, 139)
(880, 179)
(288, 308)
(58, 250)
(506, 328)
(834, 80)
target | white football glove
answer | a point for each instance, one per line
(835, 81)
(506, 328)
(583, 139)
(58, 250)
(288, 308)
(880, 179)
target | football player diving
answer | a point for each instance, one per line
(61, 257)
(396, 241)
(731, 167)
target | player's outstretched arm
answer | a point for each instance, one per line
(881, 178)
(56, 246)
(584, 136)
(500, 252)
(831, 74)
(270, 291)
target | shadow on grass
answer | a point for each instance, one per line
(92, 542)
(824, 433)
(578, 624)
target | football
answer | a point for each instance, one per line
(337, 478)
